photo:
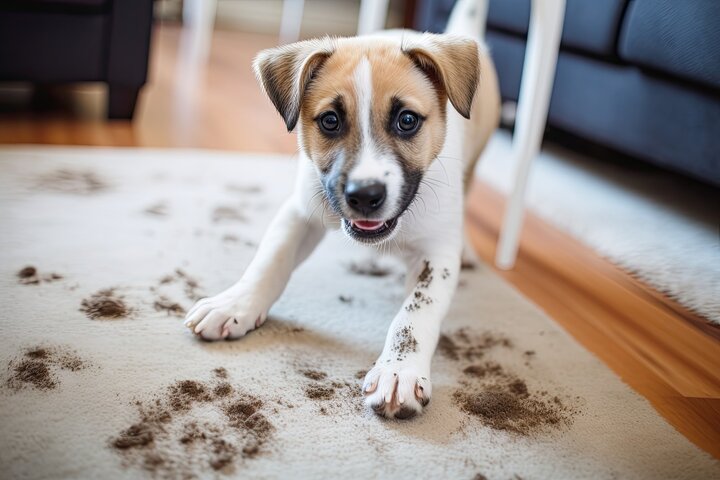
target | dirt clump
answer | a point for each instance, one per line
(346, 299)
(227, 213)
(501, 399)
(104, 305)
(463, 344)
(30, 276)
(482, 370)
(164, 304)
(314, 374)
(134, 436)
(223, 390)
(159, 209)
(192, 426)
(65, 180)
(186, 392)
(519, 412)
(319, 392)
(38, 367)
(189, 284)
(369, 268)
(333, 396)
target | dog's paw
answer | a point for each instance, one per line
(397, 390)
(230, 314)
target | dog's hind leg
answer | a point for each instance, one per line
(290, 239)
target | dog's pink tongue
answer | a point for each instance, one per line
(367, 224)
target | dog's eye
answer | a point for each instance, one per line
(329, 122)
(408, 122)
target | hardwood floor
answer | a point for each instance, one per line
(663, 351)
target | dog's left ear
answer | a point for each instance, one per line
(285, 72)
(453, 62)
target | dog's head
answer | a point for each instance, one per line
(371, 116)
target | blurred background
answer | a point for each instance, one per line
(621, 244)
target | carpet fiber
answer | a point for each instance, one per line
(657, 226)
(102, 250)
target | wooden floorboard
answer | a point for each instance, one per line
(667, 354)
(662, 350)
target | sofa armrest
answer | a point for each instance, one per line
(128, 53)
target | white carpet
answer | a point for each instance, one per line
(656, 226)
(127, 219)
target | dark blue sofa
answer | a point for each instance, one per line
(641, 77)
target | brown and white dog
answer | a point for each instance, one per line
(383, 121)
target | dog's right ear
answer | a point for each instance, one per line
(285, 72)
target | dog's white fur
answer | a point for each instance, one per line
(398, 385)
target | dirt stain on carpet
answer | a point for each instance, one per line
(192, 427)
(164, 304)
(331, 395)
(368, 268)
(30, 276)
(463, 344)
(65, 180)
(228, 213)
(105, 304)
(38, 367)
(498, 398)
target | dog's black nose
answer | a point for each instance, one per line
(365, 197)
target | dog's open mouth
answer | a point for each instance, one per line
(369, 231)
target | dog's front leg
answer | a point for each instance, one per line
(398, 386)
(290, 239)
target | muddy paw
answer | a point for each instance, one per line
(397, 391)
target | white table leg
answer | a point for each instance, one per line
(373, 14)
(546, 21)
(291, 21)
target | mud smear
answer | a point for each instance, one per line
(369, 268)
(38, 367)
(333, 396)
(404, 342)
(346, 299)
(194, 427)
(79, 182)
(226, 213)
(426, 276)
(498, 398)
(158, 210)
(30, 276)
(466, 345)
(164, 304)
(191, 287)
(105, 305)
(243, 189)
(231, 238)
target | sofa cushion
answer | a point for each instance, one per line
(590, 25)
(62, 6)
(681, 38)
(621, 107)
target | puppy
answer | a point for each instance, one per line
(389, 127)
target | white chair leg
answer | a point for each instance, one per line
(199, 20)
(469, 17)
(292, 13)
(373, 14)
(546, 21)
